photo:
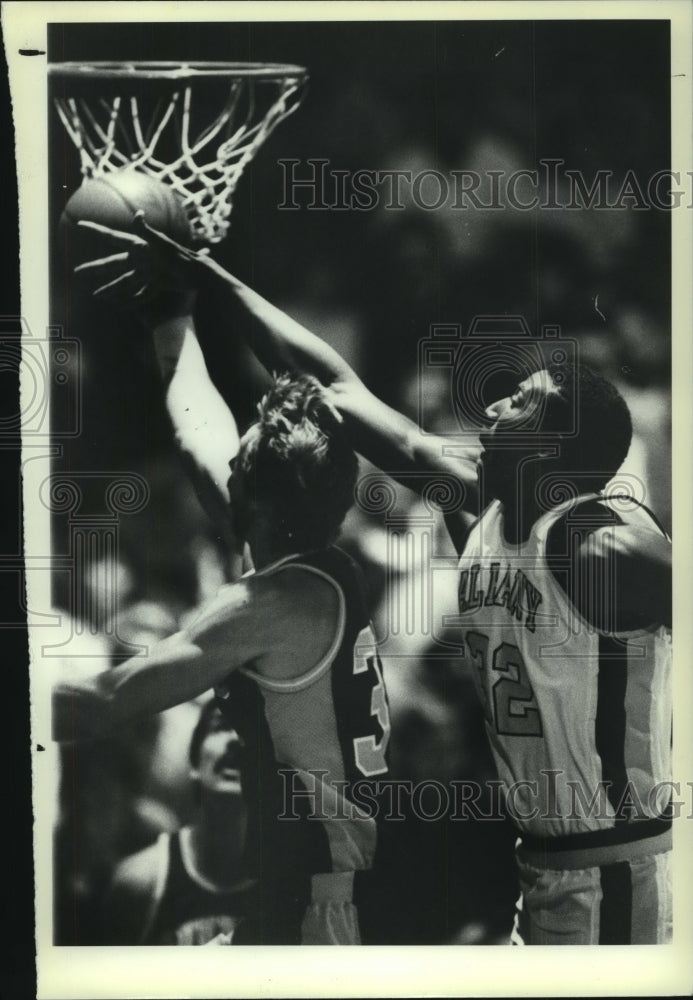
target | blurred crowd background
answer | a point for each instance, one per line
(383, 96)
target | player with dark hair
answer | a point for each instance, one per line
(288, 648)
(194, 885)
(564, 617)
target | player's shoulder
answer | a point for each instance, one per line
(136, 884)
(139, 872)
(624, 510)
(598, 526)
(286, 597)
(306, 608)
(613, 559)
(279, 600)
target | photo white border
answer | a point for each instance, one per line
(65, 972)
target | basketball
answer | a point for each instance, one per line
(113, 200)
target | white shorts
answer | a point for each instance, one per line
(622, 902)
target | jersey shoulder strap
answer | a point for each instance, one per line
(331, 565)
(653, 517)
(587, 514)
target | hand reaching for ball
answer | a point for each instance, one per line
(148, 272)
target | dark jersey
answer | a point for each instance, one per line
(185, 908)
(320, 739)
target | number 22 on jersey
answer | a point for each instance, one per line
(370, 749)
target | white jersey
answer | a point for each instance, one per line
(579, 721)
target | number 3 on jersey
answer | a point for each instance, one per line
(370, 751)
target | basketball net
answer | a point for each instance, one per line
(156, 136)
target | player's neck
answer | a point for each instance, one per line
(520, 514)
(527, 498)
(217, 838)
(265, 553)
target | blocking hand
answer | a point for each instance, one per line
(148, 272)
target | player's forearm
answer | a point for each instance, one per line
(88, 709)
(378, 432)
(279, 342)
(386, 437)
(80, 711)
(381, 434)
(173, 671)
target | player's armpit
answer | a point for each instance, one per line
(622, 578)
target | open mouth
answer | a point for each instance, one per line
(229, 774)
(229, 765)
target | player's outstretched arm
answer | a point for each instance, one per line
(162, 294)
(175, 670)
(386, 437)
(231, 630)
(204, 428)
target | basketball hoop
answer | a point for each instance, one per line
(143, 116)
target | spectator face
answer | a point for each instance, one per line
(221, 755)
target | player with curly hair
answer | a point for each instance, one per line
(288, 648)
